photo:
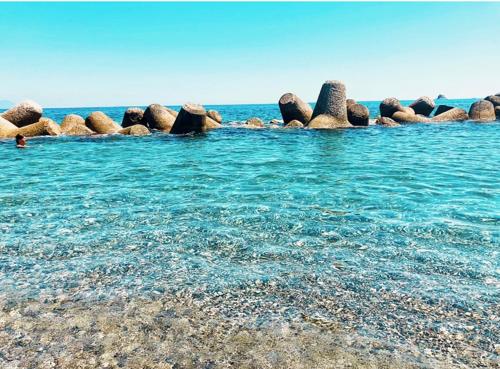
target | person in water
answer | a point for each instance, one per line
(20, 142)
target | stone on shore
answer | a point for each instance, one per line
(497, 112)
(389, 106)
(482, 111)
(24, 113)
(7, 129)
(404, 117)
(158, 117)
(331, 108)
(349, 102)
(215, 115)
(494, 99)
(254, 123)
(294, 124)
(101, 123)
(453, 114)
(192, 118)
(423, 105)
(44, 127)
(132, 116)
(387, 122)
(78, 130)
(135, 130)
(358, 115)
(70, 121)
(293, 108)
(441, 109)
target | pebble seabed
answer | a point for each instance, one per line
(261, 325)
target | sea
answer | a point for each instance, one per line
(252, 248)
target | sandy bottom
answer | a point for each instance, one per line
(185, 332)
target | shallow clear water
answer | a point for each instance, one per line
(354, 215)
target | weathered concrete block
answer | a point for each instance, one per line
(24, 113)
(331, 108)
(135, 130)
(101, 123)
(482, 111)
(254, 123)
(494, 99)
(389, 106)
(7, 129)
(132, 116)
(192, 118)
(293, 108)
(450, 115)
(441, 109)
(358, 115)
(215, 115)
(423, 105)
(404, 117)
(78, 130)
(211, 124)
(44, 127)
(158, 117)
(349, 102)
(294, 124)
(387, 122)
(70, 121)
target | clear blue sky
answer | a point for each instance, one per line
(104, 54)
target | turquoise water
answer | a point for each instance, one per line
(368, 217)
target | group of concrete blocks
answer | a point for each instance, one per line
(26, 119)
(334, 110)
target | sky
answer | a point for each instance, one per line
(124, 54)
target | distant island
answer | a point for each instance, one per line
(6, 104)
(441, 96)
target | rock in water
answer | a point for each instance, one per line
(331, 108)
(24, 113)
(294, 124)
(358, 115)
(211, 124)
(389, 106)
(408, 110)
(441, 109)
(44, 127)
(453, 114)
(482, 110)
(101, 123)
(215, 115)
(78, 130)
(7, 129)
(387, 122)
(254, 123)
(172, 111)
(404, 117)
(70, 121)
(158, 117)
(135, 130)
(423, 105)
(132, 117)
(494, 99)
(191, 119)
(441, 96)
(293, 108)
(349, 102)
